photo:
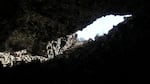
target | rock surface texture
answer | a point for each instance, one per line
(39, 25)
(53, 49)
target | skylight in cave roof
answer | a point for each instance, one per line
(100, 26)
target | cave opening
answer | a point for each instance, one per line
(100, 26)
(67, 44)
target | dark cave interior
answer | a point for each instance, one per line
(112, 58)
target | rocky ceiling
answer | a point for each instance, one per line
(43, 20)
(108, 59)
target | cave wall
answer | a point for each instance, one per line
(39, 21)
(111, 58)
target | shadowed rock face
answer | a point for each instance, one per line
(44, 20)
(111, 58)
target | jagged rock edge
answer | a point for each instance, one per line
(9, 60)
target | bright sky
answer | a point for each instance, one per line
(100, 26)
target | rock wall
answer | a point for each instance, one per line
(39, 21)
(53, 49)
(112, 58)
